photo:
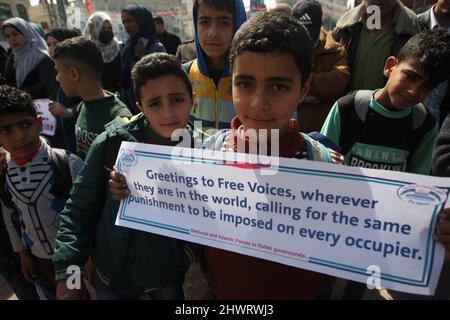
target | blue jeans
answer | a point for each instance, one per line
(170, 292)
(23, 289)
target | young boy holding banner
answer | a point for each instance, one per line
(264, 99)
(129, 264)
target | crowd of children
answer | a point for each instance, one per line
(59, 208)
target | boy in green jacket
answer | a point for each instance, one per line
(79, 64)
(129, 263)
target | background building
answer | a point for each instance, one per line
(46, 14)
(14, 8)
(177, 14)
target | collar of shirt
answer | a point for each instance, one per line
(434, 20)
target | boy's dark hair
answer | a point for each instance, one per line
(158, 20)
(81, 53)
(157, 65)
(15, 101)
(272, 32)
(431, 49)
(223, 5)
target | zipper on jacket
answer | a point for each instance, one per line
(216, 107)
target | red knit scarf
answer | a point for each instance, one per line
(290, 144)
(25, 160)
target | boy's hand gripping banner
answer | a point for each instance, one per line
(370, 226)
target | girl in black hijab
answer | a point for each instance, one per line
(138, 23)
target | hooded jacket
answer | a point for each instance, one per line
(147, 31)
(330, 75)
(213, 104)
(348, 29)
(125, 259)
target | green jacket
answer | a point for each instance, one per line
(92, 118)
(125, 259)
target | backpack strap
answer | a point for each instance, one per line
(419, 114)
(5, 195)
(78, 109)
(61, 173)
(111, 151)
(327, 142)
(187, 66)
(215, 141)
(353, 109)
(315, 150)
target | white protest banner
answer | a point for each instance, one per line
(48, 120)
(370, 226)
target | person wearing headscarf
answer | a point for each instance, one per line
(99, 29)
(63, 108)
(138, 23)
(57, 35)
(38, 29)
(29, 66)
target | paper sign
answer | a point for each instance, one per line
(48, 120)
(375, 227)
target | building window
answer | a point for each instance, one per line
(22, 12)
(5, 11)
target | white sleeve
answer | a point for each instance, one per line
(15, 238)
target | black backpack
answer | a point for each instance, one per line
(354, 108)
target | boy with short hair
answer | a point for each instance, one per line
(271, 67)
(79, 64)
(129, 263)
(215, 23)
(390, 128)
(34, 188)
(265, 99)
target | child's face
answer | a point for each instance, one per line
(266, 90)
(66, 78)
(14, 38)
(215, 31)
(407, 83)
(19, 134)
(166, 104)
